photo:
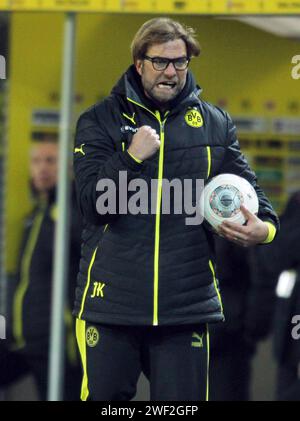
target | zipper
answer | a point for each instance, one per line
(158, 214)
(158, 207)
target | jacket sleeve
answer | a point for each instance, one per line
(95, 159)
(236, 163)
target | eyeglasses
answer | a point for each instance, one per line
(162, 63)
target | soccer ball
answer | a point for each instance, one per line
(222, 198)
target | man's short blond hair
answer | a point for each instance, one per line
(159, 31)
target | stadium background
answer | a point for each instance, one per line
(243, 69)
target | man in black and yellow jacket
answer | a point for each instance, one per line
(31, 306)
(148, 290)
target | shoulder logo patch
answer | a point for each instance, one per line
(92, 336)
(193, 118)
(80, 150)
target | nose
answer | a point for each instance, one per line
(170, 70)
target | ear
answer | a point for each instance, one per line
(139, 66)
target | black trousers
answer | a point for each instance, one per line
(230, 373)
(175, 360)
(16, 364)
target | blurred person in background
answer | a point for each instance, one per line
(279, 264)
(247, 309)
(31, 307)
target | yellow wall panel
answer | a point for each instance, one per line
(35, 59)
(238, 65)
(221, 7)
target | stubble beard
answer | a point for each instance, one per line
(162, 98)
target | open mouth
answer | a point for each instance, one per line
(166, 85)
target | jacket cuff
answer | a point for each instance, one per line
(271, 234)
(139, 161)
(130, 161)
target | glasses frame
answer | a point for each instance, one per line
(168, 60)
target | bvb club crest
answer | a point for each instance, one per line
(193, 118)
(92, 336)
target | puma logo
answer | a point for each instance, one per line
(130, 118)
(199, 342)
(80, 149)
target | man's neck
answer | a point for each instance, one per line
(162, 107)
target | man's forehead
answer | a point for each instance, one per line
(176, 48)
(44, 148)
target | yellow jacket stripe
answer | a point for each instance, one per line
(157, 220)
(158, 208)
(271, 234)
(215, 283)
(208, 161)
(208, 357)
(139, 161)
(80, 336)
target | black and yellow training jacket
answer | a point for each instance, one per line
(152, 269)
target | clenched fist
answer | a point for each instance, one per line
(144, 143)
